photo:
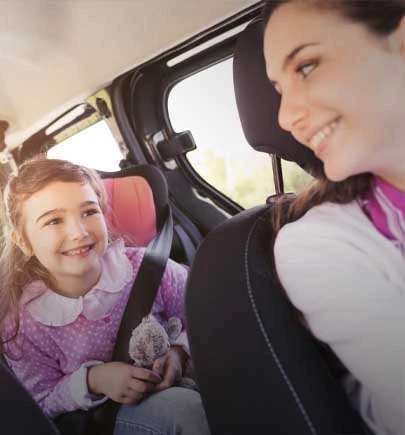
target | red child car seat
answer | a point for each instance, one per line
(131, 213)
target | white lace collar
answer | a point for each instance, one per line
(53, 309)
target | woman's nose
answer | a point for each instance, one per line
(293, 110)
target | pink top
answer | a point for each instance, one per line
(60, 337)
(385, 205)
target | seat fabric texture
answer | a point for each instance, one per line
(256, 366)
(137, 197)
(19, 414)
(131, 212)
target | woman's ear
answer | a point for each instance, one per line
(18, 240)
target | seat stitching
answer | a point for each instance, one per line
(267, 339)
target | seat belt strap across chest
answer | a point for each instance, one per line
(145, 287)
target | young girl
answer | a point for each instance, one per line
(64, 288)
(339, 66)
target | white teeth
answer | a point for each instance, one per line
(321, 135)
(78, 251)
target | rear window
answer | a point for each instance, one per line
(94, 147)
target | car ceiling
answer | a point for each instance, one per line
(55, 53)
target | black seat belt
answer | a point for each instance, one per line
(145, 286)
(186, 243)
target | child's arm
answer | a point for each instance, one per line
(53, 390)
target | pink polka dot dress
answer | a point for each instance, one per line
(59, 337)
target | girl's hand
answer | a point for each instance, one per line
(121, 382)
(170, 367)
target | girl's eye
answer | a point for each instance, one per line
(305, 69)
(91, 212)
(54, 221)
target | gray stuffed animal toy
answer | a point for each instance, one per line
(150, 340)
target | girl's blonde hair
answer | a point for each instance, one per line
(16, 270)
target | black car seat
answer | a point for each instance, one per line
(258, 369)
(19, 414)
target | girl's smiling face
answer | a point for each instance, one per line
(65, 229)
(342, 89)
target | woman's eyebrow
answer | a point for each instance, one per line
(290, 57)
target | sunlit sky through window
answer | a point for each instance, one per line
(94, 147)
(205, 104)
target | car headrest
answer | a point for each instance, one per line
(136, 199)
(258, 104)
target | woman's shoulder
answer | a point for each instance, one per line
(340, 222)
(337, 242)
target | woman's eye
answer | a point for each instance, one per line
(91, 212)
(54, 221)
(306, 68)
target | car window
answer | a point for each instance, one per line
(94, 147)
(295, 178)
(205, 104)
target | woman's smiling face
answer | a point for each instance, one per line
(342, 89)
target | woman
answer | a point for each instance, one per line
(340, 69)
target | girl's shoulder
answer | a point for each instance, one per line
(32, 291)
(134, 254)
(117, 251)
